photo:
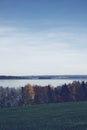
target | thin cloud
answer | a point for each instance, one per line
(42, 52)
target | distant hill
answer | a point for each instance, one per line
(45, 77)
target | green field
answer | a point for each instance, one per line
(62, 116)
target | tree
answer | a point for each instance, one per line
(65, 93)
(51, 94)
(28, 94)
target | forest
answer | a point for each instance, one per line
(35, 94)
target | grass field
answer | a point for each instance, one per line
(62, 116)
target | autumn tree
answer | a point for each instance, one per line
(28, 94)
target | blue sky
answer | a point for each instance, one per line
(43, 37)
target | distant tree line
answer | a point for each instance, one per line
(28, 95)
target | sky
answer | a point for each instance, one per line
(43, 37)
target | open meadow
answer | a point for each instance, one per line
(56, 116)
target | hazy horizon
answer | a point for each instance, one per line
(43, 37)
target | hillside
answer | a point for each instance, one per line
(61, 116)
